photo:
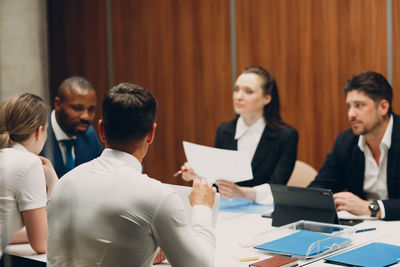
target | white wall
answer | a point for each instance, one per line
(23, 47)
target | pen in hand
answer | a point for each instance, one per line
(178, 172)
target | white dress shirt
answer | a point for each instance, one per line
(61, 135)
(375, 176)
(107, 213)
(22, 187)
(248, 138)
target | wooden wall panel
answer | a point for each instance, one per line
(180, 51)
(312, 47)
(396, 55)
(77, 43)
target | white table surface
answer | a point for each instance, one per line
(235, 233)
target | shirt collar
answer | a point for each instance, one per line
(123, 156)
(386, 139)
(20, 147)
(242, 128)
(58, 132)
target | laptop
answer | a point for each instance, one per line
(298, 203)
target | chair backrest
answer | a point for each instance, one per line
(303, 174)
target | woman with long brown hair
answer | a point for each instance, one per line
(258, 129)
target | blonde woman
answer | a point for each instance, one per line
(23, 174)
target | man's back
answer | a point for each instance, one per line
(106, 212)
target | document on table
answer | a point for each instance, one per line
(215, 163)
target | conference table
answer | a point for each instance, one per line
(237, 228)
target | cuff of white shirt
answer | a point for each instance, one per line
(201, 215)
(263, 194)
(382, 208)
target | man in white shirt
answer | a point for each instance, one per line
(107, 213)
(363, 167)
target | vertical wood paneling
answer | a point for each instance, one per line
(396, 54)
(312, 47)
(77, 43)
(180, 50)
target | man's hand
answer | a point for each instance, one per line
(188, 173)
(202, 193)
(349, 202)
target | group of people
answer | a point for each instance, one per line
(104, 211)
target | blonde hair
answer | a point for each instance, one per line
(20, 116)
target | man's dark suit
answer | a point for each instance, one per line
(275, 155)
(87, 147)
(344, 169)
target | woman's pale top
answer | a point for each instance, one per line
(248, 138)
(22, 187)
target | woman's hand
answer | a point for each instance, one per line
(187, 172)
(231, 190)
(49, 173)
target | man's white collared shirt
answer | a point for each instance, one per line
(61, 135)
(107, 212)
(375, 176)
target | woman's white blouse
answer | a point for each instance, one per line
(22, 187)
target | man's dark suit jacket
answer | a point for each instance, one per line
(344, 169)
(87, 147)
(275, 156)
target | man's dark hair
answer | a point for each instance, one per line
(129, 112)
(373, 84)
(73, 82)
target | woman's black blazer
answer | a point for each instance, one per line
(275, 156)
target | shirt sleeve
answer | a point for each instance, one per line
(180, 240)
(382, 208)
(31, 191)
(264, 194)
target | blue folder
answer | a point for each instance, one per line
(299, 242)
(241, 205)
(375, 254)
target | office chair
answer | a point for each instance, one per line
(303, 174)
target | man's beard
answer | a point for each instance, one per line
(370, 129)
(68, 128)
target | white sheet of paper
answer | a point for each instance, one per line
(215, 163)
